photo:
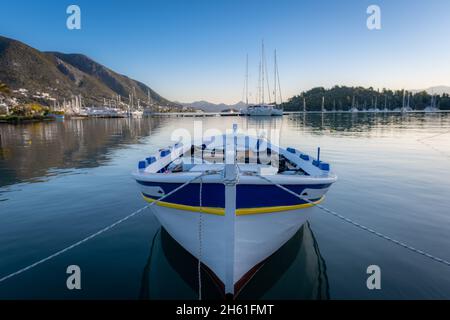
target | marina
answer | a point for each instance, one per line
(34, 206)
(203, 159)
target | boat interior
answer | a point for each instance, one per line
(200, 158)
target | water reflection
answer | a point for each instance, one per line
(264, 123)
(364, 122)
(30, 151)
(296, 271)
(401, 183)
(34, 152)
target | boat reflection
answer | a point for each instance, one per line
(296, 271)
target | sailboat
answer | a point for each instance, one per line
(432, 107)
(232, 200)
(276, 111)
(353, 109)
(385, 104)
(262, 108)
(406, 100)
(138, 112)
(374, 107)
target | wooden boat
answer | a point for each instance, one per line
(236, 211)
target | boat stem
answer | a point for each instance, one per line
(230, 180)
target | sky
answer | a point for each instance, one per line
(190, 50)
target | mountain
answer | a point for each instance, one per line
(439, 90)
(62, 76)
(213, 107)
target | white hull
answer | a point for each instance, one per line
(264, 110)
(296, 271)
(260, 112)
(256, 236)
(431, 109)
(242, 212)
(137, 114)
(406, 109)
(277, 112)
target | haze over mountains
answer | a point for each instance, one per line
(63, 76)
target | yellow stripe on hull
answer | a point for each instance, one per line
(239, 212)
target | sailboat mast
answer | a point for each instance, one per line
(275, 76)
(129, 102)
(246, 81)
(279, 84)
(266, 72)
(403, 104)
(262, 72)
(408, 100)
(259, 84)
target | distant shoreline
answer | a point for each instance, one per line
(34, 119)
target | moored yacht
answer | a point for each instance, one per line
(432, 107)
(262, 108)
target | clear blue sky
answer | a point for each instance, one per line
(195, 49)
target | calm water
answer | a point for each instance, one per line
(62, 181)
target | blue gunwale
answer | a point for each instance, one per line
(248, 196)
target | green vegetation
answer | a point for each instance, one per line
(4, 89)
(29, 110)
(60, 113)
(341, 97)
(26, 112)
(17, 119)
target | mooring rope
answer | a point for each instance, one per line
(434, 135)
(358, 225)
(76, 244)
(423, 141)
(442, 153)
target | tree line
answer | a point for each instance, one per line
(342, 98)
